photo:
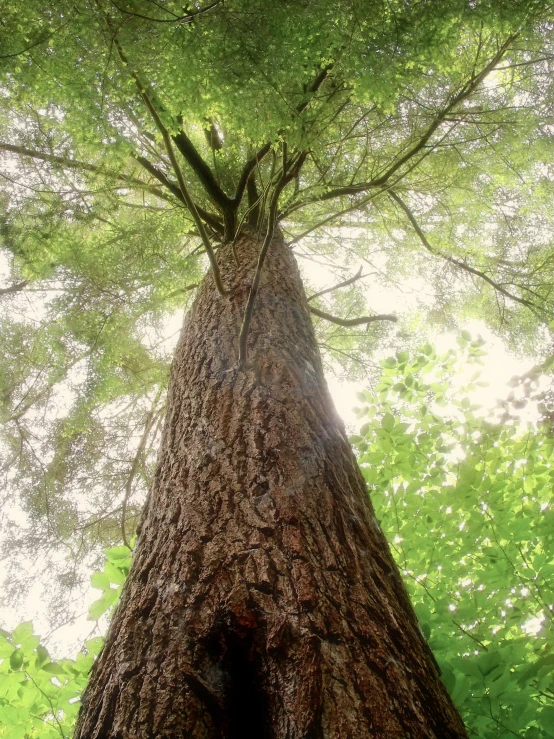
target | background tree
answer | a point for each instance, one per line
(426, 125)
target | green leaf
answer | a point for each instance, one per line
(16, 659)
(22, 632)
(100, 581)
(388, 422)
(54, 668)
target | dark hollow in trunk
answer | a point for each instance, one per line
(263, 600)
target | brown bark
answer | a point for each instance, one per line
(263, 600)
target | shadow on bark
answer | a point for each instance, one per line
(247, 708)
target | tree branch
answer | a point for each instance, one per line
(350, 280)
(314, 87)
(213, 138)
(253, 201)
(65, 162)
(332, 217)
(249, 167)
(38, 42)
(127, 180)
(174, 163)
(453, 260)
(252, 163)
(464, 93)
(352, 321)
(15, 288)
(203, 172)
(134, 468)
(210, 218)
(284, 179)
(176, 19)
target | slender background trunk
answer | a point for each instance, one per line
(263, 600)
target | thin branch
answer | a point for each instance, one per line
(37, 43)
(352, 321)
(253, 201)
(453, 260)
(471, 636)
(174, 163)
(283, 181)
(349, 281)
(332, 217)
(134, 468)
(464, 93)
(76, 164)
(249, 167)
(63, 161)
(176, 19)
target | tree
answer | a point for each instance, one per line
(215, 125)
(481, 588)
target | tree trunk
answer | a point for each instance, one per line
(263, 600)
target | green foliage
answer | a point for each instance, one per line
(466, 502)
(446, 104)
(39, 697)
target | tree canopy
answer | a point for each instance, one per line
(409, 137)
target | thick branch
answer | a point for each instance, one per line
(349, 281)
(352, 321)
(213, 138)
(314, 87)
(453, 260)
(202, 171)
(211, 219)
(15, 288)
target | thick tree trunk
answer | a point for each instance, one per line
(263, 600)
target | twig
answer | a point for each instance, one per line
(177, 19)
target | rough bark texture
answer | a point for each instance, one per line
(263, 600)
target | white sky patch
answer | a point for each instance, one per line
(533, 625)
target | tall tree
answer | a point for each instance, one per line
(141, 137)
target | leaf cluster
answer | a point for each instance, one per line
(465, 499)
